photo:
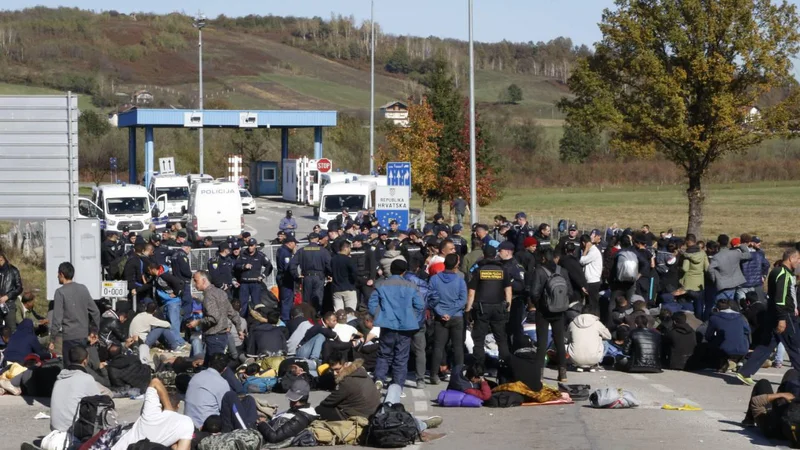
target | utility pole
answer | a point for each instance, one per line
(200, 23)
(473, 194)
(372, 93)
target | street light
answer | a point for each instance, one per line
(200, 23)
(473, 196)
(372, 93)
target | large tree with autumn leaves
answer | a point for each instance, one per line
(681, 76)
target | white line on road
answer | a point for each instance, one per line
(418, 393)
(661, 388)
(686, 401)
(715, 415)
(420, 406)
(261, 218)
(638, 376)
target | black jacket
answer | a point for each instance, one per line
(134, 270)
(265, 338)
(643, 347)
(127, 370)
(679, 344)
(111, 329)
(10, 282)
(576, 277)
(537, 285)
(288, 425)
(527, 260)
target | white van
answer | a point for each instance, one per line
(336, 177)
(176, 190)
(353, 195)
(380, 180)
(123, 206)
(215, 210)
(193, 178)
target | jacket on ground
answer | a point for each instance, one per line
(586, 335)
(396, 304)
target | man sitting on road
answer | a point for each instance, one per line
(643, 348)
(72, 384)
(150, 330)
(159, 422)
(728, 335)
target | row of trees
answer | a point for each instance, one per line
(437, 143)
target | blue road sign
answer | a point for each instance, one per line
(386, 216)
(398, 173)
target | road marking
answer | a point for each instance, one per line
(638, 376)
(662, 388)
(715, 415)
(418, 393)
(420, 406)
(686, 401)
(261, 218)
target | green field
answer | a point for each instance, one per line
(764, 209)
(84, 101)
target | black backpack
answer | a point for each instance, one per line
(391, 427)
(785, 417)
(94, 413)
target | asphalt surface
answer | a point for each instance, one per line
(723, 400)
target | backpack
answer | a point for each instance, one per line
(627, 266)
(235, 440)
(556, 291)
(94, 413)
(611, 398)
(391, 427)
(259, 385)
(116, 269)
(338, 432)
(789, 414)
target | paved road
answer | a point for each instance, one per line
(264, 223)
(577, 426)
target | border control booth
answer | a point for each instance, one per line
(150, 119)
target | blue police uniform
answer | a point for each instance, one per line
(314, 262)
(183, 270)
(250, 278)
(220, 268)
(285, 282)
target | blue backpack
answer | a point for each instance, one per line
(259, 385)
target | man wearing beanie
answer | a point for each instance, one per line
(527, 256)
(397, 307)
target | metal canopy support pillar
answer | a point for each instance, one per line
(149, 150)
(317, 142)
(132, 155)
(284, 144)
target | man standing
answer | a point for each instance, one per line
(73, 310)
(413, 249)
(366, 268)
(543, 237)
(460, 243)
(781, 317)
(527, 257)
(288, 224)
(471, 259)
(10, 289)
(521, 231)
(160, 252)
(519, 296)
(183, 270)
(725, 269)
(343, 273)
(489, 296)
(571, 236)
(112, 250)
(284, 277)
(312, 264)
(592, 262)
(397, 306)
(459, 208)
(753, 271)
(448, 297)
(216, 308)
(249, 265)
(220, 269)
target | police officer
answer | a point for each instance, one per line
(489, 297)
(379, 242)
(167, 239)
(414, 249)
(250, 264)
(335, 237)
(182, 239)
(366, 268)
(183, 270)
(312, 264)
(519, 294)
(220, 269)
(160, 251)
(459, 242)
(112, 251)
(394, 231)
(279, 238)
(284, 277)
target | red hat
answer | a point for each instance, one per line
(735, 242)
(529, 241)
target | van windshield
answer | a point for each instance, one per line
(335, 203)
(173, 193)
(127, 205)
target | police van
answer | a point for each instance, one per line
(175, 188)
(119, 206)
(353, 195)
(215, 211)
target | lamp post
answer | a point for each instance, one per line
(372, 92)
(200, 23)
(473, 195)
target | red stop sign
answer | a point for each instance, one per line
(324, 165)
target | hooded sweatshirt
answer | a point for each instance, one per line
(586, 335)
(388, 258)
(23, 343)
(681, 341)
(729, 331)
(72, 384)
(448, 294)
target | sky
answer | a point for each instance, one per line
(494, 20)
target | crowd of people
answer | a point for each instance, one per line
(360, 308)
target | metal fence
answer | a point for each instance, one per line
(198, 259)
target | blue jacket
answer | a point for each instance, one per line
(396, 304)
(448, 294)
(755, 268)
(23, 343)
(729, 331)
(424, 291)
